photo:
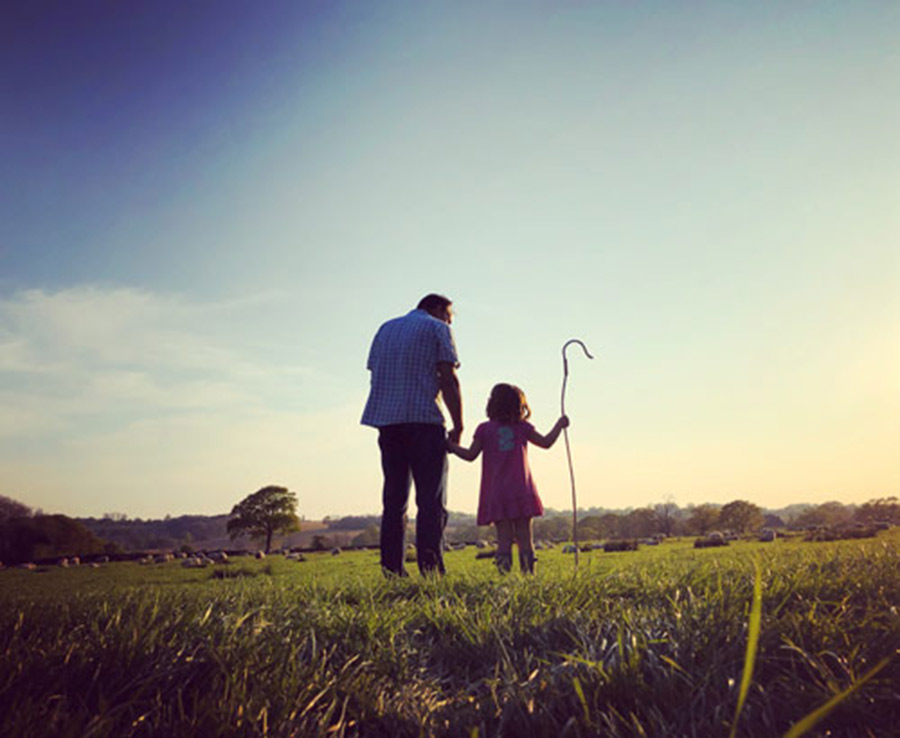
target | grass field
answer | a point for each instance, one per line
(653, 642)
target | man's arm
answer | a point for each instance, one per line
(448, 384)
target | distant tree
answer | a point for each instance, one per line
(609, 525)
(639, 523)
(468, 533)
(590, 527)
(45, 536)
(741, 516)
(666, 514)
(371, 536)
(702, 519)
(828, 514)
(10, 508)
(266, 512)
(886, 509)
(556, 528)
(353, 522)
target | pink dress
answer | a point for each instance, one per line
(507, 488)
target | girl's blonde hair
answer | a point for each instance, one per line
(507, 404)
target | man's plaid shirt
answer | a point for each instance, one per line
(403, 361)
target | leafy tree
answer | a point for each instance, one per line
(886, 509)
(609, 525)
(558, 528)
(639, 523)
(10, 508)
(741, 516)
(45, 536)
(702, 519)
(828, 514)
(266, 512)
(667, 515)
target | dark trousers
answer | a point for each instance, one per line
(413, 452)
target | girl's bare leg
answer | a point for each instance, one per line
(523, 531)
(505, 535)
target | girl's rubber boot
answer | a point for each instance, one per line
(527, 562)
(504, 562)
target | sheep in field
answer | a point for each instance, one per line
(196, 562)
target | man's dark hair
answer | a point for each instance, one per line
(433, 302)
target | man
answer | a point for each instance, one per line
(412, 360)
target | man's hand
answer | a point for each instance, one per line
(449, 387)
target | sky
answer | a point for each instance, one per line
(207, 208)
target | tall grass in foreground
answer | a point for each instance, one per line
(650, 643)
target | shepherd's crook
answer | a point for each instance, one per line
(562, 403)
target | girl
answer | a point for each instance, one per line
(508, 497)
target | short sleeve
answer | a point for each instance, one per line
(447, 346)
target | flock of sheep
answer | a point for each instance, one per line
(188, 560)
(203, 559)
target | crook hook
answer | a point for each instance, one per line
(566, 368)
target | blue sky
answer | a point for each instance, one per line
(207, 208)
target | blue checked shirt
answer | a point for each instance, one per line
(403, 364)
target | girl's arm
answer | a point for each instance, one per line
(547, 441)
(469, 454)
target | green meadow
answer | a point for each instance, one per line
(785, 638)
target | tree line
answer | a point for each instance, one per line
(27, 535)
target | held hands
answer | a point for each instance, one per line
(563, 421)
(452, 442)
